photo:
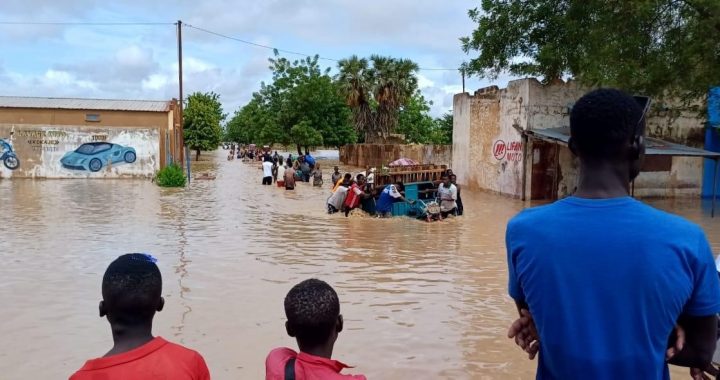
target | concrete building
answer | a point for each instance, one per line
(89, 138)
(511, 141)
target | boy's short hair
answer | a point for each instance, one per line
(132, 288)
(312, 308)
(603, 121)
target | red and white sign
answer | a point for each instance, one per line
(511, 151)
(499, 149)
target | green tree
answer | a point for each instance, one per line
(443, 131)
(419, 127)
(255, 123)
(302, 106)
(376, 90)
(305, 95)
(202, 117)
(415, 121)
(304, 134)
(395, 83)
(659, 47)
(355, 83)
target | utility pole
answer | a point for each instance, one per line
(186, 151)
(463, 78)
(180, 70)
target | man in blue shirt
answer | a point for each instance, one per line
(606, 278)
(388, 196)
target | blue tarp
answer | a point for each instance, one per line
(309, 159)
(712, 143)
(714, 107)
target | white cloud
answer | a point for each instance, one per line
(424, 82)
(155, 82)
(133, 56)
(192, 65)
(56, 77)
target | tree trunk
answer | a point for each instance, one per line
(197, 154)
(299, 149)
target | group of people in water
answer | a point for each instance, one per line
(287, 172)
(348, 191)
(278, 170)
(360, 192)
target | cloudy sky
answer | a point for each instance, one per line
(140, 62)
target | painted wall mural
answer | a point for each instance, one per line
(80, 152)
(96, 155)
(7, 155)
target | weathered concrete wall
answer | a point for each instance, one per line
(484, 132)
(488, 151)
(461, 151)
(683, 179)
(49, 151)
(376, 155)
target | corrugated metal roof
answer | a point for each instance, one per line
(84, 104)
(653, 146)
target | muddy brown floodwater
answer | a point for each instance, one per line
(421, 301)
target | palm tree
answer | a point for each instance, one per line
(354, 79)
(376, 93)
(395, 82)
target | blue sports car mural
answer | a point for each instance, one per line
(95, 155)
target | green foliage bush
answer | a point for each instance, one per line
(171, 176)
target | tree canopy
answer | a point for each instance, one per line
(305, 106)
(202, 116)
(419, 127)
(655, 47)
(301, 106)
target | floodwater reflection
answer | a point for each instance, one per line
(421, 301)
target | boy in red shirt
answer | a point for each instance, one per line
(131, 291)
(313, 312)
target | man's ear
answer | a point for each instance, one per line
(637, 147)
(573, 146)
(339, 325)
(161, 305)
(289, 329)
(101, 309)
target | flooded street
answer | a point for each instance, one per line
(420, 300)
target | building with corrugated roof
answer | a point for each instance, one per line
(89, 138)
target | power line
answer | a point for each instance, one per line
(289, 51)
(256, 44)
(199, 29)
(85, 23)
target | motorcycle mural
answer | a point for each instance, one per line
(8, 156)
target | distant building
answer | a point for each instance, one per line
(90, 138)
(513, 141)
